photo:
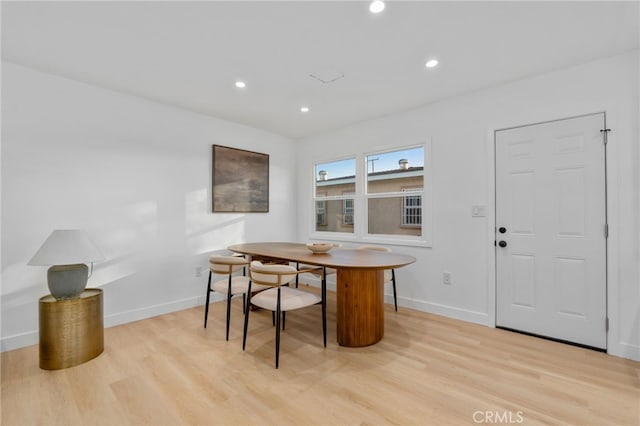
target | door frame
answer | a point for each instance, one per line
(611, 205)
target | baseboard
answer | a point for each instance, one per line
(8, 343)
(155, 310)
(18, 341)
(625, 350)
(29, 338)
(467, 315)
(420, 305)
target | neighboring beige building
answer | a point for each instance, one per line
(396, 215)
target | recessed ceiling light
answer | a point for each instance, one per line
(376, 6)
(240, 84)
(431, 63)
(304, 109)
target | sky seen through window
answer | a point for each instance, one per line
(375, 162)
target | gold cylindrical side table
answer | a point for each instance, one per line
(71, 330)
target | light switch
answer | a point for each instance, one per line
(478, 211)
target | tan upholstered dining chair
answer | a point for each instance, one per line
(389, 275)
(231, 285)
(280, 297)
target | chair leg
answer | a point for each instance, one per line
(393, 281)
(297, 275)
(228, 313)
(244, 303)
(278, 330)
(228, 306)
(273, 318)
(324, 307)
(206, 306)
(246, 317)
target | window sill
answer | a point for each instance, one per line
(397, 240)
(371, 239)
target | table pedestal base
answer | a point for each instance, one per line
(360, 315)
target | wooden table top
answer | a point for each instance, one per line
(336, 258)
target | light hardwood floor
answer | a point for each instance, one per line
(428, 370)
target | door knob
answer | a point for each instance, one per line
(502, 243)
(502, 230)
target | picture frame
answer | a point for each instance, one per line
(240, 181)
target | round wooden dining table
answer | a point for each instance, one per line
(359, 287)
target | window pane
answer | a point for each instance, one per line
(411, 208)
(347, 211)
(391, 171)
(332, 216)
(321, 213)
(336, 177)
(396, 215)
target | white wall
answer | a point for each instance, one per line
(461, 133)
(137, 176)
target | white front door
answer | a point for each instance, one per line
(550, 230)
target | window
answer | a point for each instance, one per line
(378, 197)
(390, 175)
(412, 209)
(321, 213)
(335, 186)
(347, 210)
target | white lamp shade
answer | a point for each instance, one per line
(67, 247)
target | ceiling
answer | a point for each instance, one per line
(189, 54)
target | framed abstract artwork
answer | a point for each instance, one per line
(240, 181)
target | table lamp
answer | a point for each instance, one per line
(68, 251)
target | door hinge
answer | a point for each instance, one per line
(605, 131)
(606, 230)
(606, 324)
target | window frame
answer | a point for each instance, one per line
(361, 201)
(314, 233)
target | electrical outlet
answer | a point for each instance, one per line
(198, 271)
(446, 278)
